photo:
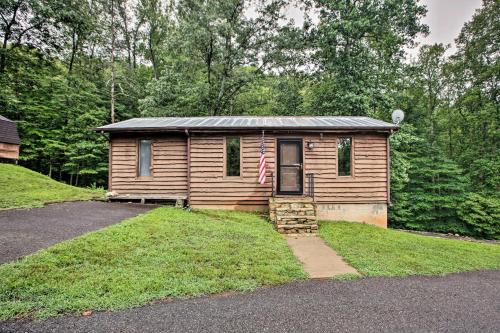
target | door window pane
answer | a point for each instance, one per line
(344, 156)
(144, 158)
(233, 156)
(289, 153)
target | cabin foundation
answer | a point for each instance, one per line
(293, 215)
(369, 213)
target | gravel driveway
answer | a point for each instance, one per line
(465, 302)
(24, 231)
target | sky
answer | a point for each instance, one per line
(445, 19)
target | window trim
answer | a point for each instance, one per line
(224, 175)
(138, 159)
(351, 173)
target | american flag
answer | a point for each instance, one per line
(262, 162)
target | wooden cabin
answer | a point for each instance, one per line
(337, 165)
(9, 139)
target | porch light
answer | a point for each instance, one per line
(310, 145)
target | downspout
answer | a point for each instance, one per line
(188, 199)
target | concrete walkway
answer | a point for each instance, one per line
(319, 260)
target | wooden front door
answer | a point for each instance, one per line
(290, 178)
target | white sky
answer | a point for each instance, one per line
(445, 19)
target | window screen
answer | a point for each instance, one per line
(232, 156)
(144, 158)
(344, 156)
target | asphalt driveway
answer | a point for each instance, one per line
(24, 231)
(465, 302)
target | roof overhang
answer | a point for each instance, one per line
(242, 129)
(248, 124)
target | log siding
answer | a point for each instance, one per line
(9, 150)
(210, 187)
(169, 162)
(209, 184)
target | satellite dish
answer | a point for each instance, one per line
(398, 116)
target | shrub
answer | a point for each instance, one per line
(482, 215)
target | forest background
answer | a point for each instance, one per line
(67, 66)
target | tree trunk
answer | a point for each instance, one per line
(134, 44)
(152, 53)
(6, 37)
(208, 61)
(74, 48)
(112, 62)
(122, 9)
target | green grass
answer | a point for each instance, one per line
(23, 188)
(167, 252)
(375, 251)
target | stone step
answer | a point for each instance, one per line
(295, 222)
(292, 217)
(298, 226)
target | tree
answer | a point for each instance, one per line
(474, 75)
(401, 144)
(216, 41)
(427, 187)
(428, 86)
(358, 48)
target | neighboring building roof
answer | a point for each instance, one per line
(237, 122)
(8, 131)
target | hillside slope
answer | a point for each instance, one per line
(23, 188)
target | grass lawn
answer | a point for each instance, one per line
(23, 188)
(379, 252)
(167, 252)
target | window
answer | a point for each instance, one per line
(344, 156)
(144, 169)
(232, 156)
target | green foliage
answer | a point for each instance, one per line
(167, 252)
(453, 105)
(427, 187)
(400, 144)
(23, 188)
(374, 251)
(360, 46)
(214, 52)
(485, 174)
(436, 188)
(55, 114)
(482, 215)
(473, 125)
